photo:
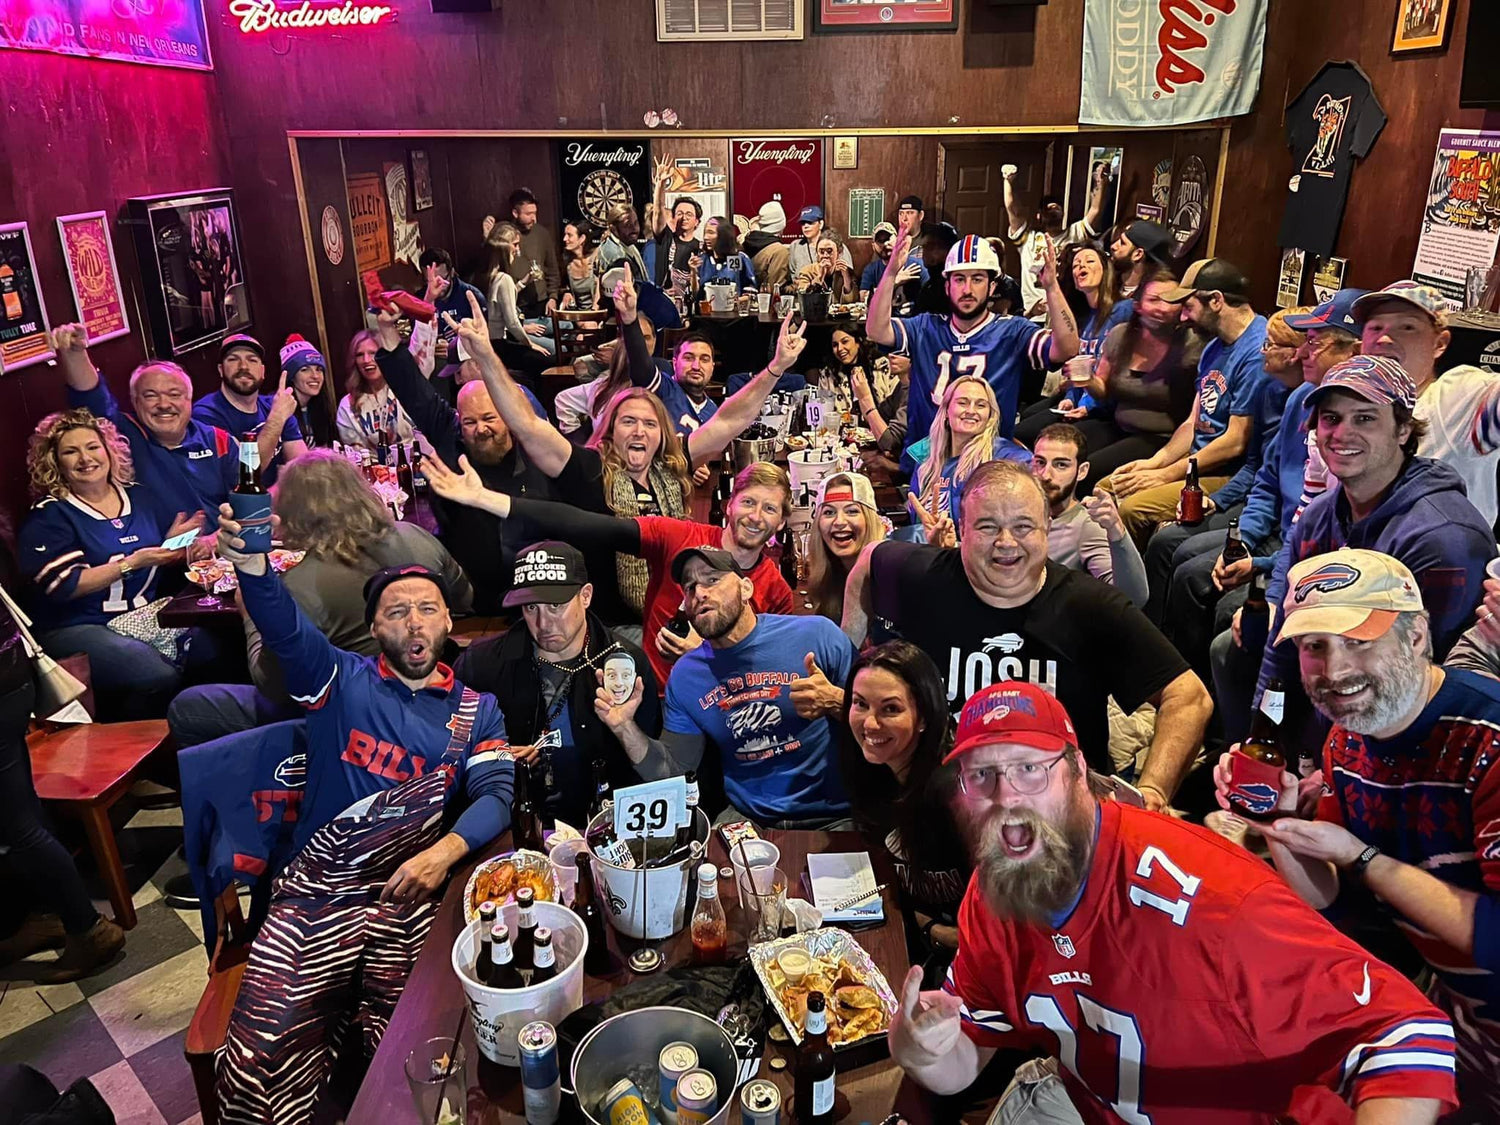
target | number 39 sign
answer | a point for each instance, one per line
(653, 809)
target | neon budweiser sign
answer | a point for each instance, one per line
(259, 16)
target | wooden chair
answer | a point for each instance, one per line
(210, 1023)
(577, 332)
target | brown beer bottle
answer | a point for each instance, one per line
(814, 1082)
(1234, 544)
(250, 502)
(1192, 496)
(587, 906)
(525, 927)
(1258, 763)
(525, 821)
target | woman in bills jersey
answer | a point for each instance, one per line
(91, 546)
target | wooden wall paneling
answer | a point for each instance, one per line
(900, 165)
(343, 300)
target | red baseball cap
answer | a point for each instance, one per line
(1011, 711)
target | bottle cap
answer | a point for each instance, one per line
(707, 873)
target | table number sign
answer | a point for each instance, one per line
(656, 808)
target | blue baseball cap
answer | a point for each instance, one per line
(813, 214)
(652, 302)
(1336, 312)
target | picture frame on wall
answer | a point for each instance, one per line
(192, 268)
(885, 15)
(98, 292)
(421, 179)
(1289, 277)
(846, 152)
(25, 334)
(1421, 25)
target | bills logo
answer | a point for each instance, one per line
(1487, 840)
(1326, 579)
(291, 771)
(1006, 642)
(1184, 25)
(1255, 797)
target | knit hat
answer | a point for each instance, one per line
(771, 217)
(297, 353)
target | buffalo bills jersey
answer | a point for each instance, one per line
(62, 538)
(1190, 986)
(1000, 351)
(216, 410)
(367, 731)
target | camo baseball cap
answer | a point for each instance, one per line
(1351, 592)
(1424, 298)
(1013, 712)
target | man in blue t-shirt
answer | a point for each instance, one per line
(239, 408)
(761, 688)
(1232, 381)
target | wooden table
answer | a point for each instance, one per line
(433, 998)
(184, 612)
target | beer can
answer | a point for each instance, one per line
(760, 1103)
(697, 1098)
(675, 1060)
(541, 1084)
(623, 1105)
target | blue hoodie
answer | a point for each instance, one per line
(1278, 483)
(1426, 522)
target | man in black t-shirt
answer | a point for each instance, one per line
(995, 609)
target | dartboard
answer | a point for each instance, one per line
(601, 190)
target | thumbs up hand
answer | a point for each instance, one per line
(814, 695)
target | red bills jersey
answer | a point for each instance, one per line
(1190, 986)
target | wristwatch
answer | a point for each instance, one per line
(1362, 861)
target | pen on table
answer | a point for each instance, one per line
(848, 902)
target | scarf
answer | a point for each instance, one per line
(630, 571)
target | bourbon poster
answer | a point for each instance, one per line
(787, 170)
(369, 222)
(89, 252)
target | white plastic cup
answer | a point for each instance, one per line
(760, 853)
(565, 868)
(1492, 569)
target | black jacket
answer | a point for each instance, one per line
(504, 666)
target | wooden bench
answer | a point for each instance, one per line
(210, 1023)
(86, 769)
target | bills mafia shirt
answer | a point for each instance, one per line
(1190, 986)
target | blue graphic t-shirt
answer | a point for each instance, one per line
(1229, 382)
(776, 764)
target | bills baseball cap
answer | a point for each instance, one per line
(1011, 711)
(813, 214)
(1153, 238)
(1351, 592)
(240, 340)
(1375, 378)
(377, 582)
(1424, 298)
(1210, 275)
(845, 488)
(719, 560)
(1336, 312)
(549, 573)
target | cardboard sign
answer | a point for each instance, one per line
(656, 808)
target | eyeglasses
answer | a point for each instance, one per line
(982, 782)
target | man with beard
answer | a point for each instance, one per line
(395, 746)
(758, 690)
(1142, 247)
(994, 608)
(184, 464)
(476, 429)
(971, 341)
(1410, 803)
(537, 297)
(1168, 975)
(547, 671)
(1085, 535)
(239, 408)
(685, 394)
(1037, 238)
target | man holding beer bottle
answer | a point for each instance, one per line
(1410, 804)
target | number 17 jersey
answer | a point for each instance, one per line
(1190, 986)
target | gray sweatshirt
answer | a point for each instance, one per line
(1077, 542)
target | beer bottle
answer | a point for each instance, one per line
(484, 963)
(716, 503)
(603, 792)
(679, 626)
(587, 906)
(610, 848)
(525, 927)
(525, 821)
(503, 971)
(1192, 496)
(788, 558)
(1257, 763)
(813, 1104)
(1255, 617)
(382, 449)
(543, 957)
(250, 501)
(404, 478)
(688, 832)
(1234, 544)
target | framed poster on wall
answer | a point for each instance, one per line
(877, 15)
(785, 170)
(23, 313)
(192, 268)
(89, 252)
(1421, 25)
(595, 176)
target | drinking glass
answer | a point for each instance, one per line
(763, 899)
(436, 1077)
(203, 561)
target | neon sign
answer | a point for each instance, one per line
(258, 16)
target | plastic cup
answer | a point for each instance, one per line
(763, 899)
(1492, 569)
(436, 1077)
(760, 853)
(564, 868)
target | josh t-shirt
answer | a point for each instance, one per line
(1079, 638)
(1230, 380)
(777, 765)
(1335, 120)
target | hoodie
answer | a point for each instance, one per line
(1426, 522)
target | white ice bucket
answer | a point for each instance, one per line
(810, 467)
(650, 903)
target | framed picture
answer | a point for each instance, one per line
(895, 15)
(1421, 25)
(1328, 278)
(23, 314)
(192, 268)
(421, 179)
(1289, 278)
(846, 152)
(89, 251)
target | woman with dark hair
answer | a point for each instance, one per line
(578, 249)
(857, 361)
(894, 737)
(723, 259)
(307, 375)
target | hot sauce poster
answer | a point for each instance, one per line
(90, 254)
(159, 32)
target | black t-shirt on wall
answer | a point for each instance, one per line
(1079, 638)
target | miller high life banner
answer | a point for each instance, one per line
(1170, 62)
(788, 170)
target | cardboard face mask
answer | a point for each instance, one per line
(619, 677)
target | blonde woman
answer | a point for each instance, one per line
(369, 407)
(965, 434)
(845, 522)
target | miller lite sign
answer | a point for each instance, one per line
(785, 170)
(1170, 62)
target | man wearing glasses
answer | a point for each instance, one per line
(1169, 977)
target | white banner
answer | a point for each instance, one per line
(1170, 62)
